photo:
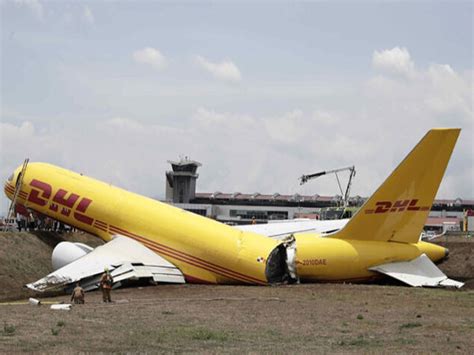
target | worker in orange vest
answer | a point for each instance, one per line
(106, 282)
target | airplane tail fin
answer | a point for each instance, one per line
(398, 210)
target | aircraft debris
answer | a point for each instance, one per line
(61, 307)
(34, 301)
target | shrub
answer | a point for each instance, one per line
(8, 329)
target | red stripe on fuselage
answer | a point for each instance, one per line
(196, 264)
(11, 189)
(195, 280)
(188, 256)
(190, 259)
(100, 223)
(162, 251)
(101, 228)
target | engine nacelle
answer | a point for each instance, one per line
(66, 252)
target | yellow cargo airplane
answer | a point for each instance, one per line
(382, 238)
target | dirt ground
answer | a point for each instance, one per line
(309, 318)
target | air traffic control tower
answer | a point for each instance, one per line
(181, 182)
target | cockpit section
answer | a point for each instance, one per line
(12, 186)
(9, 186)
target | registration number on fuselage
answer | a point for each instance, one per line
(313, 262)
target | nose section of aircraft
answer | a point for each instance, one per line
(9, 187)
(11, 182)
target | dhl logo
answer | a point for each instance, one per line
(63, 202)
(397, 206)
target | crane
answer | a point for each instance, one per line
(305, 178)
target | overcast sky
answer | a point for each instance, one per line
(258, 93)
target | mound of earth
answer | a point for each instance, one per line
(460, 263)
(26, 257)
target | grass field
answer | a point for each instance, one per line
(281, 319)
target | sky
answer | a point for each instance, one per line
(258, 92)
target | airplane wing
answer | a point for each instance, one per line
(417, 272)
(284, 228)
(125, 258)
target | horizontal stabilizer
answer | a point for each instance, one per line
(417, 272)
(125, 258)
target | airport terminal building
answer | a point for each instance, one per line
(244, 208)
